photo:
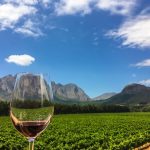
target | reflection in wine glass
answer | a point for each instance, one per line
(31, 107)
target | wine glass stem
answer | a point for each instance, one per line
(31, 144)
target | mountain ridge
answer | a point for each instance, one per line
(65, 92)
(104, 96)
(132, 94)
(69, 91)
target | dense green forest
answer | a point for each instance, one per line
(74, 108)
(88, 108)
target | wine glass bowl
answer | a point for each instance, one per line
(31, 107)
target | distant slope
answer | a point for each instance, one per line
(104, 96)
(131, 95)
(6, 87)
(69, 92)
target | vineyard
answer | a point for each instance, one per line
(122, 131)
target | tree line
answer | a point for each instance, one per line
(90, 108)
(73, 109)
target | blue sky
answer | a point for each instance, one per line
(100, 45)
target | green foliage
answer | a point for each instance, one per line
(64, 108)
(74, 109)
(32, 114)
(122, 131)
(4, 108)
(30, 103)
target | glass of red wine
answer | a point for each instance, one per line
(31, 107)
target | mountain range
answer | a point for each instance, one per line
(62, 92)
(69, 92)
(6, 87)
(104, 96)
(132, 94)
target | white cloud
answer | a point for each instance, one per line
(145, 82)
(10, 14)
(29, 29)
(14, 15)
(65, 7)
(22, 60)
(24, 2)
(28, 32)
(121, 7)
(144, 63)
(46, 3)
(29, 2)
(69, 7)
(134, 32)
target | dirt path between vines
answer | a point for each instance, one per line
(144, 147)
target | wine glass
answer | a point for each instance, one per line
(31, 107)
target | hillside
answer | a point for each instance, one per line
(68, 92)
(133, 94)
(104, 96)
(6, 87)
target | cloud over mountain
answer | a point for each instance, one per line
(145, 82)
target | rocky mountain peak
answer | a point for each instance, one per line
(6, 86)
(69, 91)
(135, 88)
(65, 92)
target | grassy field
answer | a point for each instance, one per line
(122, 131)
